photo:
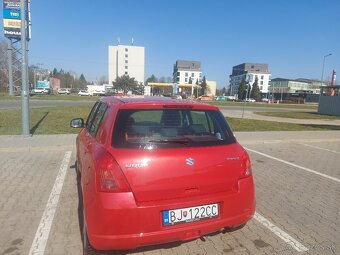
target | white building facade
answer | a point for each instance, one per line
(249, 71)
(185, 70)
(211, 88)
(126, 60)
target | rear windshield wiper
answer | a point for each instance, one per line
(179, 141)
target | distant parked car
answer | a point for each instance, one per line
(84, 93)
(177, 97)
(265, 100)
(220, 98)
(206, 98)
(63, 91)
(40, 91)
(251, 100)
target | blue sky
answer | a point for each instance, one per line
(292, 36)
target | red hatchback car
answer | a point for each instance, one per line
(156, 170)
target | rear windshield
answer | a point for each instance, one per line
(170, 128)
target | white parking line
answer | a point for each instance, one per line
(280, 233)
(297, 166)
(43, 231)
(317, 147)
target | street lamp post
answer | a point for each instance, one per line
(245, 100)
(323, 66)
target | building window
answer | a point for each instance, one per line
(126, 73)
(261, 82)
(262, 77)
(186, 80)
(192, 75)
(261, 87)
(178, 73)
(177, 79)
(126, 61)
(186, 74)
(126, 55)
(126, 49)
(126, 67)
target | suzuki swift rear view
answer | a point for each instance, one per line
(157, 170)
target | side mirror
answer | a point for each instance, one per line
(77, 123)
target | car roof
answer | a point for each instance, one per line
(154, 102)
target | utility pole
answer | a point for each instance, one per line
(24, 82)
(10, 72)
(323, 66)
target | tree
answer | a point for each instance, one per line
(125, 83)
(55, 73)
(255, 91)
(242, 89)
(103, 80)
(152, 78)
(82, 81)
(221, 92)
(68, 80)
(204, 86)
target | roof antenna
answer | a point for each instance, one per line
(118, 40)
(132, 41)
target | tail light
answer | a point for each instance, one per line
(110, 177)
(245, 166)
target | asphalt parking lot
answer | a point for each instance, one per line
(297, 177)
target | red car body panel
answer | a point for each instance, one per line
(160, 180)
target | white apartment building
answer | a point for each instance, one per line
(211, 88)
(185, 70)
(126, 60)
(250, 71)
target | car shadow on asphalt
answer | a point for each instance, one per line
(80, 202)
(35, 127)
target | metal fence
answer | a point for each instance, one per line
(329, 101)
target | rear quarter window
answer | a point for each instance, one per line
(96, 116)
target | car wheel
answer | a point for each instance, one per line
(87, 248)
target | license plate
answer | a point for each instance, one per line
(190, 214)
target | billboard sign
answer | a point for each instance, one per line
(12, 14)
(12, 18)
(55, 83)
(43, 84)
(12, 33)
(11, 4)
(12, 23)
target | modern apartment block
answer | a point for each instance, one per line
(184, 70)
(282, 85)
(249, 71)
(126, 60)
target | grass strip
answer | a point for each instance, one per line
(55, 120)
(299, 115)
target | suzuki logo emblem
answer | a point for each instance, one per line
(190, 161)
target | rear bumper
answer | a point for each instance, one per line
(116, 222)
